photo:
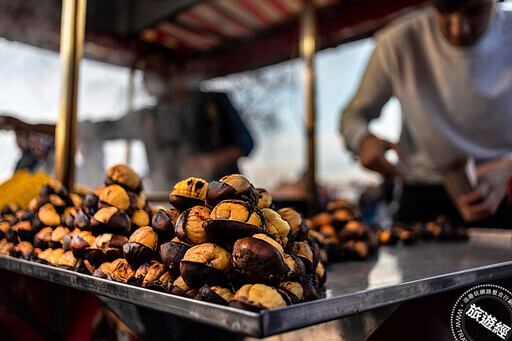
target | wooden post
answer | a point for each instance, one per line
(308, 47)
(71, 47)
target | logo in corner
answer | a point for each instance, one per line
(483, 312)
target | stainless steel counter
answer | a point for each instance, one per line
(396, 274)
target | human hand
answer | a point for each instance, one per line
(483, 202)
(198, 165)
(372, 153)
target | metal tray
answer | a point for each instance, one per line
(396, 274)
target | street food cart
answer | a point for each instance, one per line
(219, 38)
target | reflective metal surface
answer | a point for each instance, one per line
(397, 274)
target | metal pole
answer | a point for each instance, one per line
(71, 47)
(308, 47)
(129, 108)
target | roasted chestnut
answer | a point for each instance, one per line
(355, 249)
(172, 253)
(23, 250)
(321, 274)
(180, 288)
(67, 261)
(234, 219)
(295, 267)
(353, 230)
(205, 264)
(141, 246)
(297, 223)
(188, 193)
(81, 241)
(322, 218)
(57, 237)
(116, 196)
(48, 215)
(124, 176)
(259, 259)
(91, 201)
(6, 232)
(6, 247)
(121, 271)
(163, 223)
(51, 256)
(105, 248)
(189, 226)
(214, 294)
(264, 198)
(110, 219)
(305, 253)
(256, 297)
(234, 186)
(81, 220)
(140, 218)
(24, 230)
(149, 274)
(292, 292)
(102, 271)
(277, 227)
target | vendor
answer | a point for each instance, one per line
(450, 66)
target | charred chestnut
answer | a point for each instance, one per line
(67, 261)
(81, 241)
(124, 176)
(264, 198)
(256, 297)
(234, 219)
(148, 275)
(214, 294)
(6, 232)
(353, 230)
(121, 271)
(297, 223)
(295, 267)
(116, 196)
(105, 248)
(91, 201)
(180, 288)
(172, 253)
(6, 247)
(355, 249)
(292, 292)
(259, 259)
(24, 230)
(188, 193)
(110, 219)
(23, 250)
(57, 237)
(140, 218)
(102, 271)
(163, 223)
(205, 264)
(190, 225)
(321, 274)
(48, 215)
(234, 186)
(305, 253)
(277, 227)
(141, 246)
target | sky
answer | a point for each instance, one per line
(30, 90)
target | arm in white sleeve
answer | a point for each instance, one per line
(374, 91)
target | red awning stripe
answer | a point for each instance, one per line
(187, 36)
(283, 7)
(228, 16)
(250, 7)
(190, 19)
(270, 12)
(210, 16)
(237, 12)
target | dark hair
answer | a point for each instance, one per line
(448, 6)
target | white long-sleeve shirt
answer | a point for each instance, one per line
(455, 101)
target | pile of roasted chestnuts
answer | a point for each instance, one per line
(220, 242)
